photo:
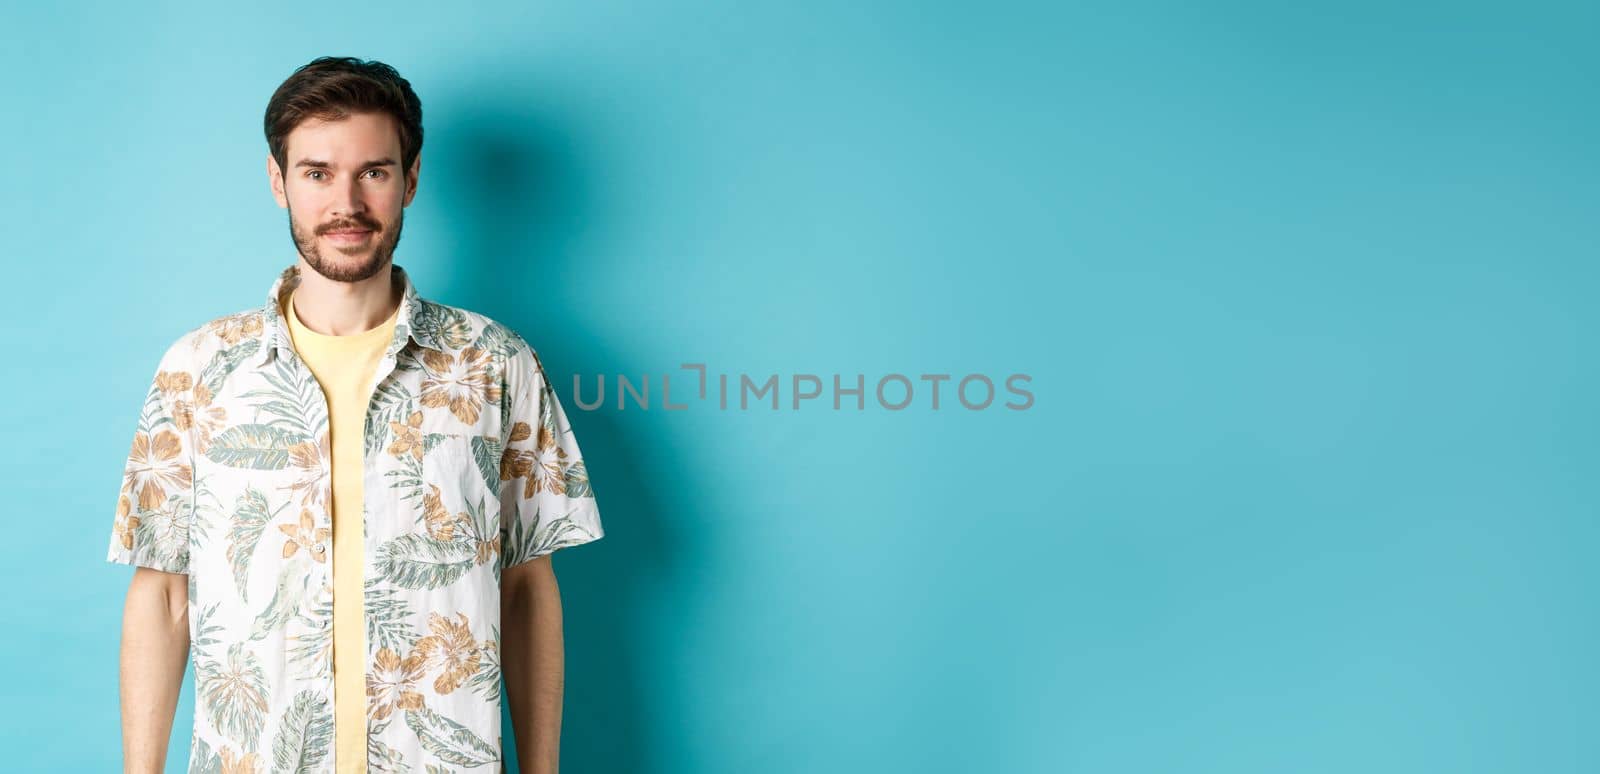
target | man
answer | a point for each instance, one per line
(344, 501)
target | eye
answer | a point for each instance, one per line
(380, 173)
(314, 172)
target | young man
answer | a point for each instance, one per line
(345, 500)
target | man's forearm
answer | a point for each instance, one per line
(155, 647)
(532, 661)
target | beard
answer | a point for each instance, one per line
(358, 264)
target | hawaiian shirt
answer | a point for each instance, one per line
(470, 466)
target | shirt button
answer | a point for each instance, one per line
(319, 548)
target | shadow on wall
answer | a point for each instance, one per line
(516, 200)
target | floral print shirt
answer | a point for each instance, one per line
(470, 466)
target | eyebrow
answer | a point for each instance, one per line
(383, 162)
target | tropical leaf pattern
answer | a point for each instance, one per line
(450, 741)
(262, 447)
(305, 736)
(235, 694)
(470, 467)
(250, 519)
(203, 759)
(311, 649)
(416, 561)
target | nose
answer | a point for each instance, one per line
(347, 202)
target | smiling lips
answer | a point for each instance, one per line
(349, 235)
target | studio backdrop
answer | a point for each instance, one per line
(1017, 387)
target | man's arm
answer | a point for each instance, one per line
(155, 647)
(532, 661)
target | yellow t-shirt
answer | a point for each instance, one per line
(344, 366)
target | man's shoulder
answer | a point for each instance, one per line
(238, 334)
(456, 329)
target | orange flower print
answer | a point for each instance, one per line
(407, 437)
(488, 549)
(312, 461)
(463, 384)
(197, 412)
(302, 535)
(392, 683)
(154, 466)
(240, 763)
(540, 467)
(170, 382)
(236, 327)
(451, 649)
(440, 524)
(126, 522)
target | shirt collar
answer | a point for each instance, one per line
(413, 310)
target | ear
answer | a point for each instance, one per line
(411, 180)
(275, 179)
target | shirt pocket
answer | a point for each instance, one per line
(459, 504)
(448, 462)
(465, 471)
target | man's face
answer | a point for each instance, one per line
(344, 192)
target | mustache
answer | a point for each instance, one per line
(358, 223)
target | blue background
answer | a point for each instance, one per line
(1306, 292)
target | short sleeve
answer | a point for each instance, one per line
(546, 500)
(156, 503)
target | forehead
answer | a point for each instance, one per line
(354, 139)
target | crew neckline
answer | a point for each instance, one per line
(299, 328)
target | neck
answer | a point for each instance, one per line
(337, 308)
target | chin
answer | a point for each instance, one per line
(341, 266)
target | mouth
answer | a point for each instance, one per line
(348, 236)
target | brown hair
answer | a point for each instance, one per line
(330, 88)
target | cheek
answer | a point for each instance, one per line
(388, 213)
(391, 201)
(305, 204)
